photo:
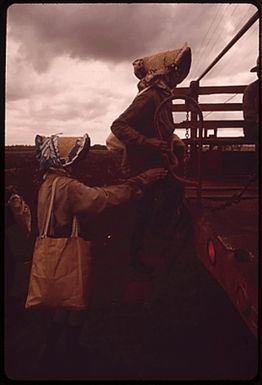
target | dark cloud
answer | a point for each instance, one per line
(110, 32)
(45, 88)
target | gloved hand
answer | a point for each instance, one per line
(153, 174)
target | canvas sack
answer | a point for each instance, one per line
(60, 272)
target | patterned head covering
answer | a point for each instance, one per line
(155, 69)
(56, 152)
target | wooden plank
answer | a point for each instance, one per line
(221, 90)
(182, 90)
(220, 141)
(211, 107)
(224, 188)
(213, 124)
(207, 90)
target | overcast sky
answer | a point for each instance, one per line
(69, 66)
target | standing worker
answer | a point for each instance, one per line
(145, 148)
(251, 107)
(59, 157)
(251, 112)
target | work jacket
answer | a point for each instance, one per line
(251, 111)
(250, 102)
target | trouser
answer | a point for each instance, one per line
(143, 212)
(71, 322)
(155, 212)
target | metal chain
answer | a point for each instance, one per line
(187, 129)
(187, 152)
(236, 198)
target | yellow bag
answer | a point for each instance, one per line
(60, 272)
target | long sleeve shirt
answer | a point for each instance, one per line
(73, 197)
(137, 123)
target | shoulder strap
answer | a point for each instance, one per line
(144, 90)
(75, 227)
(44, 233)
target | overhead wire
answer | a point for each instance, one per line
(233, 96)
(209, 35)
(206, 34)
(236, 28)
(208, 43)
(247, 16)
(227, 62)
(217, 38)
(240, 33)
(230, 98)
(228, 59)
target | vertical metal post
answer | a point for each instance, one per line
(196, 149)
